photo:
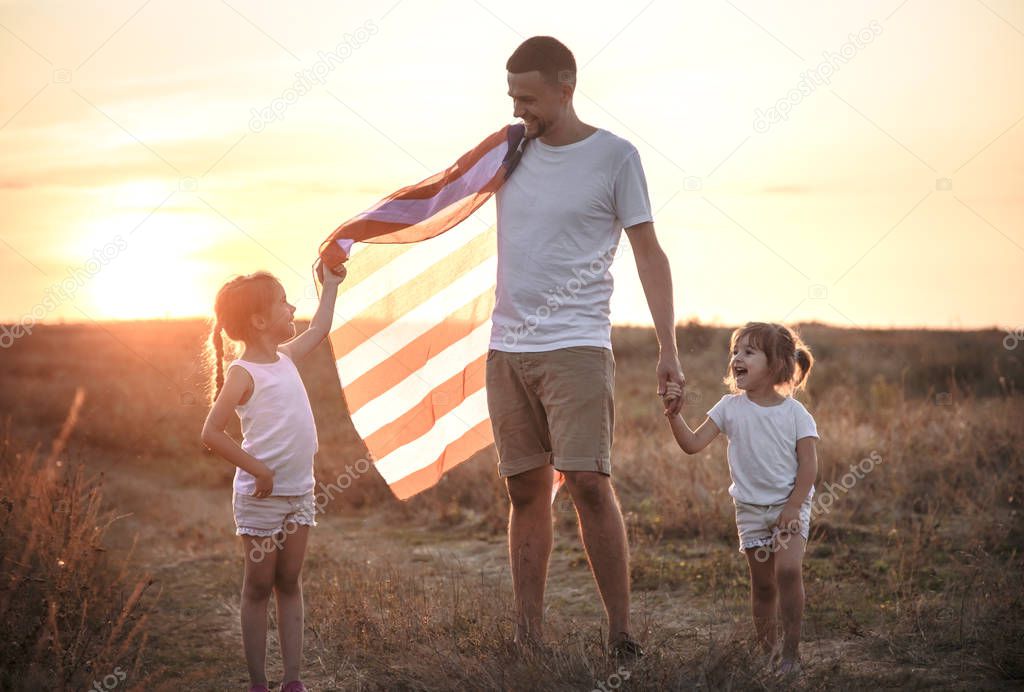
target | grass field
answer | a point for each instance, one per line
(121, 571)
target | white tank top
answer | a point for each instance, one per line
(277, 427)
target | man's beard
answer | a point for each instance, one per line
(541, 129)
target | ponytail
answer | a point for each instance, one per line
(804, 361)
(218, 360)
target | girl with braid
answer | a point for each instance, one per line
(273, 485)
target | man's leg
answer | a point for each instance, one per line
(524, 460)
(604, 538)
(529, 548)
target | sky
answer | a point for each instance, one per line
(858, 164)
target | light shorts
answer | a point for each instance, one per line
(265, 516)
(552, 407)
(755, 523)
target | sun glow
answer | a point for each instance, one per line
(154, 269)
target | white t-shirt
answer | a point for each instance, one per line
(560, 218)
(762, 446)
(277, 427)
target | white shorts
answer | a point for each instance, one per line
(755, 524)
(265, 516)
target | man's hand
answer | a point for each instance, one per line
(669, 371)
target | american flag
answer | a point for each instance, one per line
(411, 356)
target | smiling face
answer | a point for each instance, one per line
(748, 365)
(278, 323)
(539, 103)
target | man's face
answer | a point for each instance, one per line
(537, 102)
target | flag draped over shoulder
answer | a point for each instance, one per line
(418, 297)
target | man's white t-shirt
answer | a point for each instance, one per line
(560, 218)
(762, 446)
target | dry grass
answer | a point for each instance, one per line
(389, 628)
(913, 576)
(71, 618)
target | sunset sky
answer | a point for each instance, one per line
(137, 173)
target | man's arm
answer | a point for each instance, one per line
(656, 277)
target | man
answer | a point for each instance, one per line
(550, 369)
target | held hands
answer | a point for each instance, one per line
(673, 398)
(264, 484)
(328, 276)
(669, 373)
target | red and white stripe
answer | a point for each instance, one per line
(418, 299)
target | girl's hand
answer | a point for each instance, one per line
(264, 484)
(329, 277)
(300, 346)
(672, 392)
(789, 520)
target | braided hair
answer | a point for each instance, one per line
(236, 302)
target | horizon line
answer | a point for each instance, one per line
(682, 322)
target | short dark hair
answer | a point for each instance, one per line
(546, 55)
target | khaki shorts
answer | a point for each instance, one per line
(552, 407)
(265, 516)
(755, 524)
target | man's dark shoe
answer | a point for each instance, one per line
(625, 648)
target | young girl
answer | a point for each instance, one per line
(773, 464)
(273, 486)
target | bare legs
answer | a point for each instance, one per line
(529, 548)
(776, 584)
(789, 576)
(275, 570)
(530, 538)
(604, 538)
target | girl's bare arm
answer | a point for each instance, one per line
(807, 469)
(692, 441)
(320, 325)
(236, 383)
